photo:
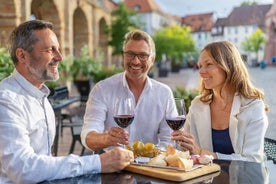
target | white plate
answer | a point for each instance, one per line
(142, 159)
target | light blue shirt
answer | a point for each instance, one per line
(27, 131)
(149, 123)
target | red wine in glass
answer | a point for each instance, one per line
(175, 114)
(123, 120)
(176, 123)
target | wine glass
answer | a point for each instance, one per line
(175, 114)
(123, 111)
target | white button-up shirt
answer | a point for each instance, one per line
(27, 131)
(149, 123)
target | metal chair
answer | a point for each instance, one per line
(270, 149)
(71, 120)
(76, 127)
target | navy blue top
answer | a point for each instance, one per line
(221, 141)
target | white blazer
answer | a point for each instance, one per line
(248, 124)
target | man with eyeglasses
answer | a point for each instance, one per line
(100, 130)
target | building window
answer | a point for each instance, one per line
(229, 30)
(199, 36)
(236, 30)
(137, 7)
(246, 29)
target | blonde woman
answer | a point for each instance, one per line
(228, 118)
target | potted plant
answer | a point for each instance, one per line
(106, 72)
(81, 71)
(176, 65)
(6, 64)
(187, 95)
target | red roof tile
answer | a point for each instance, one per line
(142, 6)
(199, 22)
(248, 15)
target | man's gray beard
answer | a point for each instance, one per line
(43, 75)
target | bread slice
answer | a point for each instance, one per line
(176, 161)
(158, 161)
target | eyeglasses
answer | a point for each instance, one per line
(131, 56)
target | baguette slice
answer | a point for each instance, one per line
(158, 161)
(176, 161)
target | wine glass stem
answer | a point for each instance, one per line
(176, 145)
(121, 145)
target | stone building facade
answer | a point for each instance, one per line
(270, 24)
(76, 23)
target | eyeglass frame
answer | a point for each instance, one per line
(131, 55)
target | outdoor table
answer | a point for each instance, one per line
(234, 172)
(57, 107)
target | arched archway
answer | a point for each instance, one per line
(103, 42)
(80, 31)
(8, 20)
(47, 10)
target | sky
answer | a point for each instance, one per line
(221, 8)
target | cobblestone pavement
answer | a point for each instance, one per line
(264, 79)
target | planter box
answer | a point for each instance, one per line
(163, 72)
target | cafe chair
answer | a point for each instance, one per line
(270, 149)
(83, 87)
(76, 127)
(58, 94)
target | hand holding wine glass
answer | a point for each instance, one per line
(175, 114)
(123, 111)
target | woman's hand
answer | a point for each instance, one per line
(186, 141)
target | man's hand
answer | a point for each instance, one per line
(117, 136)
(116, 159)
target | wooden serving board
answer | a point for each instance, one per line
(173, 175)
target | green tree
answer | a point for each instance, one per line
(254, 42)
(6, 64)
(123, 21)
(173, 41)
(248, 3)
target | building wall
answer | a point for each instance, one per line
(270, 24)
(201, 39)
(237, 35)
(76, 23)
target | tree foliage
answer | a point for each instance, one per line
(123, 21)
(173, 41)
(254, 42)
(248, 3)
(6, 64)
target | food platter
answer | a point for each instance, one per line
(170, 174)
(170, 164)
(166, 167)
(142, 161)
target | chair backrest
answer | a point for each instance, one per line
(270, 149)
(60, 93)
(83, 88)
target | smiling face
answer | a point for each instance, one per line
(212, 75)
(137, 67)
(41, 64)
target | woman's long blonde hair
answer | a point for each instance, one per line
(227, 56)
